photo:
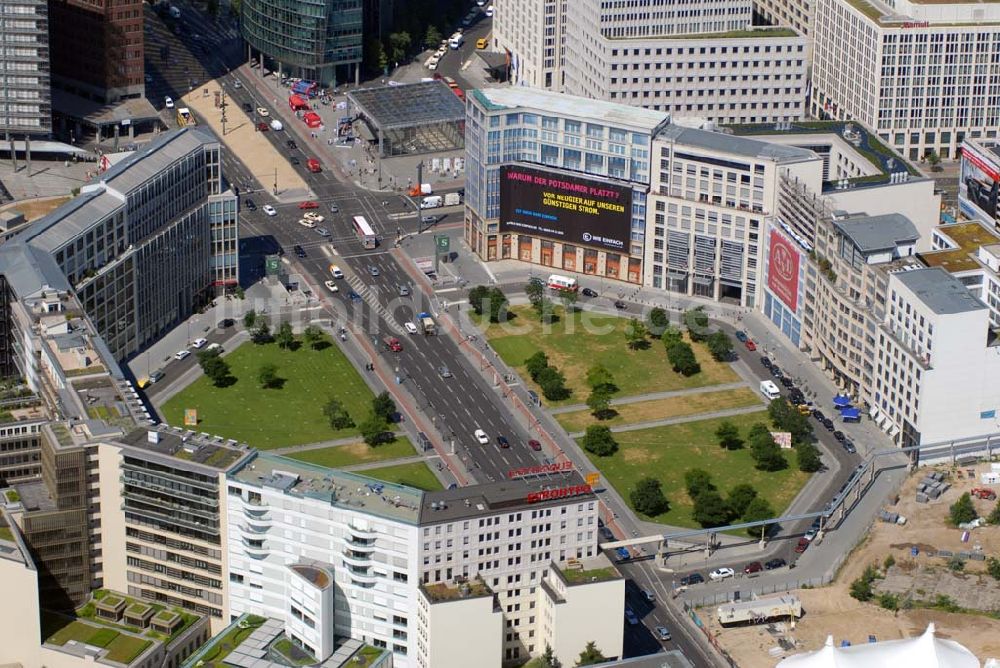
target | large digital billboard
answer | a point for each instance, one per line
(565, 208)
(978, 185)
(783, 270)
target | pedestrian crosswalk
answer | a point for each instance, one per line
(371, 299)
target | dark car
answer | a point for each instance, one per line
(753, 567)
(299, 251)
(291, 144)
(740, 335)
(787, 382)
(334, 208)
(587, 292)
(294, 160)
(795, 396)
(766, 361)
(250, 205)
(692, 579)
(225, 322)
(828, 423)
(776, 371)
(535, 445)
(247, 108)
(774, 563)
(849, 446)
(818, 414)
(503, 442)
(354, 296)
(534, 280)
(839, 435)
(620, 305)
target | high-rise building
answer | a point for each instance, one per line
(97, 48)
(25, 94)
(319, 40)
(691, 59)
(923, 75)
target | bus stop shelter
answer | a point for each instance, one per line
(411, 119)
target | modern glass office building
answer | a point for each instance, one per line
(319, 40)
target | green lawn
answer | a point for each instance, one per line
(121, 648)
(339, 456)
(659, 409)
(289, 415)
(667, 452)
(412, 475)
(584, 339)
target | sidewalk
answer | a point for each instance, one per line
(652, 396)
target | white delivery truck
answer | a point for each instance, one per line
(452, 199)
(769, 389)
(456, 40)
(432, 202)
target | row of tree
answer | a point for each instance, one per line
(488, 301)
(375, 428)
(742, 503)
(549, 378)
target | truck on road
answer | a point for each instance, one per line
(452, 199)
(431, 202)
(427, 324)
(769, 389)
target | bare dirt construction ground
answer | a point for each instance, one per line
(831, 611)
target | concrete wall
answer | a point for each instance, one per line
(463, 633)
(914, 199)
(20, 620)
(581, 613)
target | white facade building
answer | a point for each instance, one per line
(697, 58)
(925, 76)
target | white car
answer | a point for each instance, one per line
(331, 286)
(181, 354)
(410, 327)
(335, 271)
(432, 64)
(481, 437)
(199, 343)
(168, 102)
(305, 222)
(262, 112)
(214, 346)
(315, 217)
(489, 11)
(269, 210)
(721, 574)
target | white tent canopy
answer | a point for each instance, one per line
(924, 651)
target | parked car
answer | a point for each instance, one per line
(535, 445)
(721, 574)
(481, 437)
(766, 361)
(776, 371)
(181, 354)
(315, 217)
(503, 442)
(225, 323)
(309, 204)
(818, 414)
(534, 280)
(740, 335)
(753, 567)
(587, 292)
(787, 382)
(802, 546)
(692, 579)
(750, 345)
(156, 376)
(199, 343)
(247, 107)
(662, 633)
(263, 127)
(620, 305)
(773, 564)
(828, 423)
(839, 435)
(849, 446)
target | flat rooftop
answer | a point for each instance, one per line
(585, 571)
(338, 488)
(205, 450)
(968, 237)
(503, 496)
(408, 105)
(440, 592)
(585, 109)
(878, 233)
(734, 144)
(941, 292)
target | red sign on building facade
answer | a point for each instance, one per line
(559, 493)
(560, 467)
(783, 270)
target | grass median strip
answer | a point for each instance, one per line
(287, 415)
(339, 456)
(665, 453)
(416, 475)
(581, 339)
(661, 409)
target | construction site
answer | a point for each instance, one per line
(924, 567)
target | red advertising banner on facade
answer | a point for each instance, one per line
(560, 467)
(559, 493)
(783, 270)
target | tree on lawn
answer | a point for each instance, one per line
(758, 511)
(284, 336)
(962, 510)
(696, 321)
(599, 440)
(698, 481)
(267, 376)
(682, 359)
(261, 332)
(599, 403)
(498, 304)
(647, 497)
(432, 37)
(384, 407)
(740, 498)
(569, 299)
(671, 335)
(535, 290)
(553, 384)
(249, 319)
(787, 418)
(720, 346)
(635, 333)
(337, 414)
(374, 430)
(214, 367)
(546, 311)
(766, 453)
(590, 655)
(808, 457)
(711, 510)
(536, 364)
(312, 336)
(479, 298)
(729, 436)
(657, 321)
(598, 377)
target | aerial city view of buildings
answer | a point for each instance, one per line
(499, 333)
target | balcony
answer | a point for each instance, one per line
(352, 558)
(253, 549)
(363, 534)
(257, 523)
(360, 544)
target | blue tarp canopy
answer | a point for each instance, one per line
(851, 413)
(841, 400)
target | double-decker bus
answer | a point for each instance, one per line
(364, 231)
